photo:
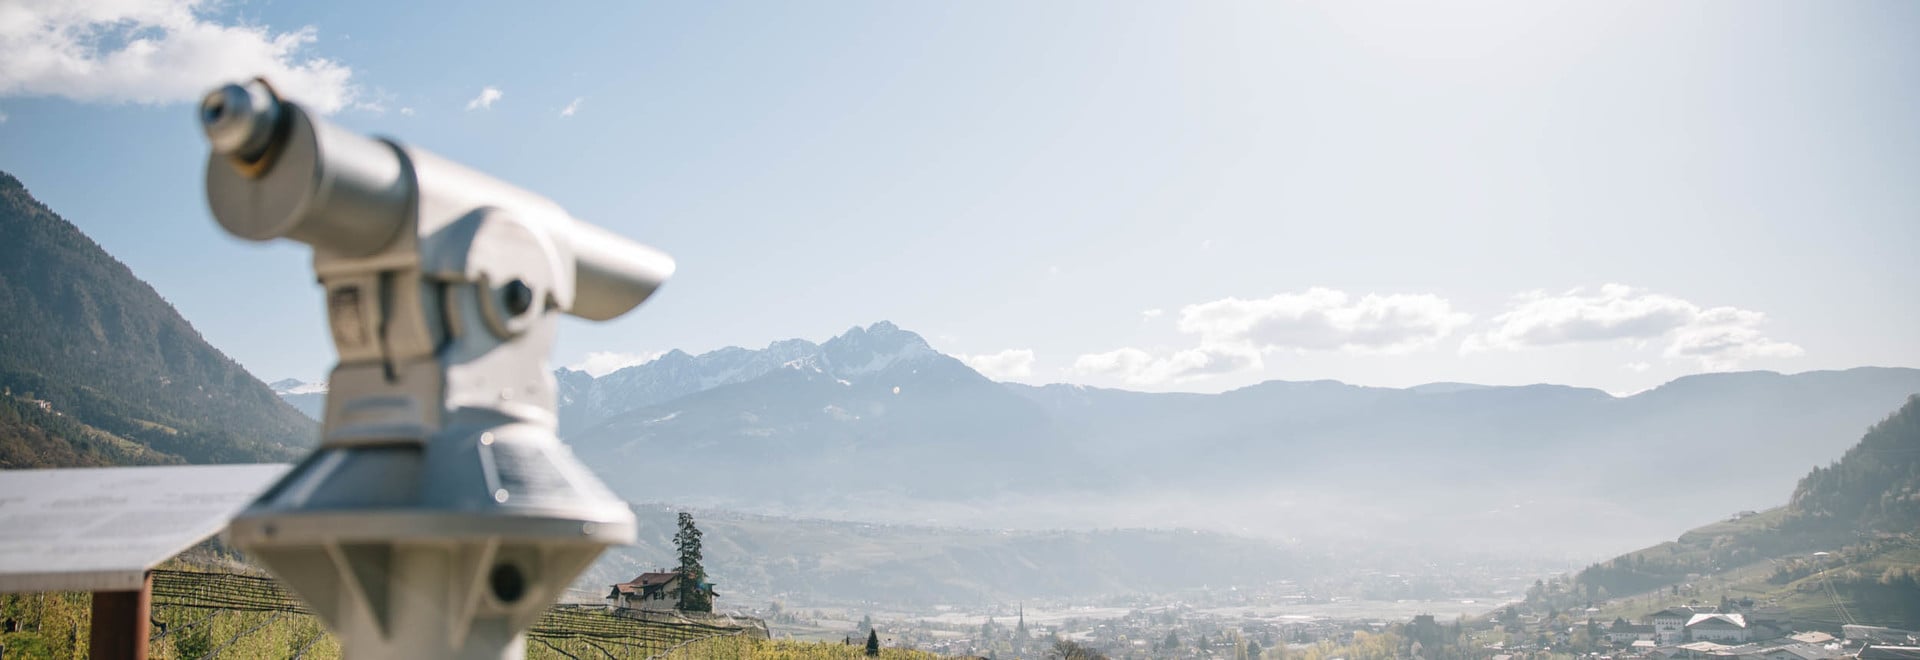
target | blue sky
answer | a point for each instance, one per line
(1162, 196)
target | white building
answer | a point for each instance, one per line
(1670, 625)
(1717, 627)
(652, 591)
(1623, 633)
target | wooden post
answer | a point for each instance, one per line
(121, 623)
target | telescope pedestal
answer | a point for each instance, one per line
(440, 516)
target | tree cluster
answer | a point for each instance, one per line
(1876, 484)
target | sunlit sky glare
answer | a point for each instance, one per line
(1159, 196)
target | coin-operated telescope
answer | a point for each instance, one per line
(440, 514)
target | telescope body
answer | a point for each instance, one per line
(440, 515)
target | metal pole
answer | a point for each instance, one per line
(121, 623)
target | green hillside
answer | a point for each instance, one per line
(1862, 513)
(1875, 485)
(97, 369)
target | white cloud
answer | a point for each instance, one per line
(1137, 367)
(601, 363)
(1233, 334)
(1009, 364)
(485, 100)
(1719, 337)
(156, 51)
(1636, 367)
(572, 107)
(1152, 313)
(406, 111)
(3, 118)
(1324, 319)
(1615, 312)
(1722, 337)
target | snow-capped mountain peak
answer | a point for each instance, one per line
(309, 398)
(848, 358)
(859, 352)
(286, 386)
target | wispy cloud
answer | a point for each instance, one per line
(156, 51)
(1009, 364)
(488, 95)
(1723, 337)
(1321, 319)
(572, 107)
(1152, 313)
(406, 111)
(1718, 337)
(601, 363)
(1134, 366)
(3, 118)
(1234, 334)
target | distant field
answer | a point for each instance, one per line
(754, 648)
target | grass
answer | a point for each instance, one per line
(196, 632)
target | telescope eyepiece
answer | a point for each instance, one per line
(240, 120)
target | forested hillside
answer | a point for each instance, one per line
(97, 369)
(1876, 484)
(1862, 512)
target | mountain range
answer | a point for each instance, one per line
(875, 424)
(97, 369)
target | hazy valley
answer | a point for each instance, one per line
(877, 425)
(872, 473)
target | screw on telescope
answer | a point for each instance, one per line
(519, 297)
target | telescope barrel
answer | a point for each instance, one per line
(277, 172)
(342, 193)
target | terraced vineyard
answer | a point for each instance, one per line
(214, 614)
(202, 613)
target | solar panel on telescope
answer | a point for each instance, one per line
(101, 529)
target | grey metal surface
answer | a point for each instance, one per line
(440, 515)
(100, 529)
